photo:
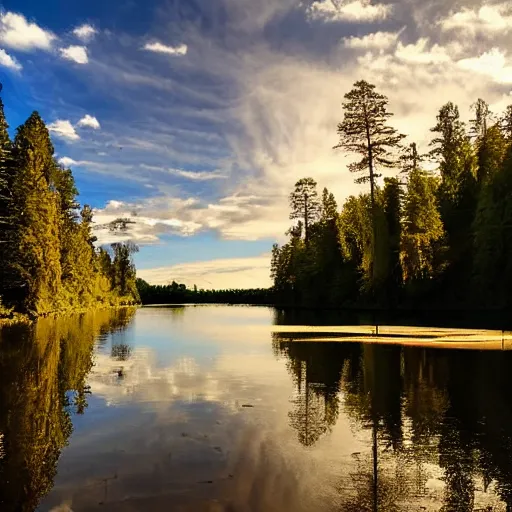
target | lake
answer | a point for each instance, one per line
(233, 408)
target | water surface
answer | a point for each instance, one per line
(209, 408)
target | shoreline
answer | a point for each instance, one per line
(15, 318)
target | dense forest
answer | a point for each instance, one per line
(423, 238)
(48, 261)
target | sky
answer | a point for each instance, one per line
(196, 118)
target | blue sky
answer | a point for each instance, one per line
(196, 118)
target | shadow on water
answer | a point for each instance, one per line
(43, 368)
(423, 409)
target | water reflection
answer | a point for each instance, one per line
(331, 427)
(42, 385)
(440, 421)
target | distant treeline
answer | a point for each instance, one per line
(48, 261)
(175, 293)
(438, 239)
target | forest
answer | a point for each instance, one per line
(176, 293)
(48, 260)
(422, 238)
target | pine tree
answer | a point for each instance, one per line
(329, 206)
(304, 204)
(457, 196)
(506, 124)
(36, 251)
(410, 159)
(482, 120)
(364, 130)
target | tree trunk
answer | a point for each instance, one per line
(372, 193)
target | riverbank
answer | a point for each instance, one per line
(11, 317)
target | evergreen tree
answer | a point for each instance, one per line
(482, 120)
(506, 124)
(410, 159)
(364, 130)
(304, 204)
(493, 239)
(329, 206)
(6, 170)
(457, 195)
(35, 256)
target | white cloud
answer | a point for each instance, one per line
(85, 32)
(374, 41)
(198, 175)
(9, 62)
(152, 218)
(63, 128)
(16, 32)
(488, 18)
(77, 54)
(492, 63)
(162, 48)
(89, 121)
(354, 11)
(250, 272)
(418, 53)
(66, 161)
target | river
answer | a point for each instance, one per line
(223, 408)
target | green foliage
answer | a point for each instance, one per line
(422, 227)
(437, 239)
(48, 259)
(304, 204)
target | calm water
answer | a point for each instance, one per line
(207, 409)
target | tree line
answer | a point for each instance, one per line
(48, 260)
(176, 293)
(420, 238)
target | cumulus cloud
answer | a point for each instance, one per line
(66, 161)
(17, 32)
(162, 48)
(85, 32)
(63, 128)
(77, 54)
(89, 121)
(373, 41)
(486, 19)
(198, 175)
(492, 63)
(418, 53)
(9, 62)
(151, 218)
(250, 272)
(354, 11)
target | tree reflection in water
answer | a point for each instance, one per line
(43, 368)
(423, 408)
